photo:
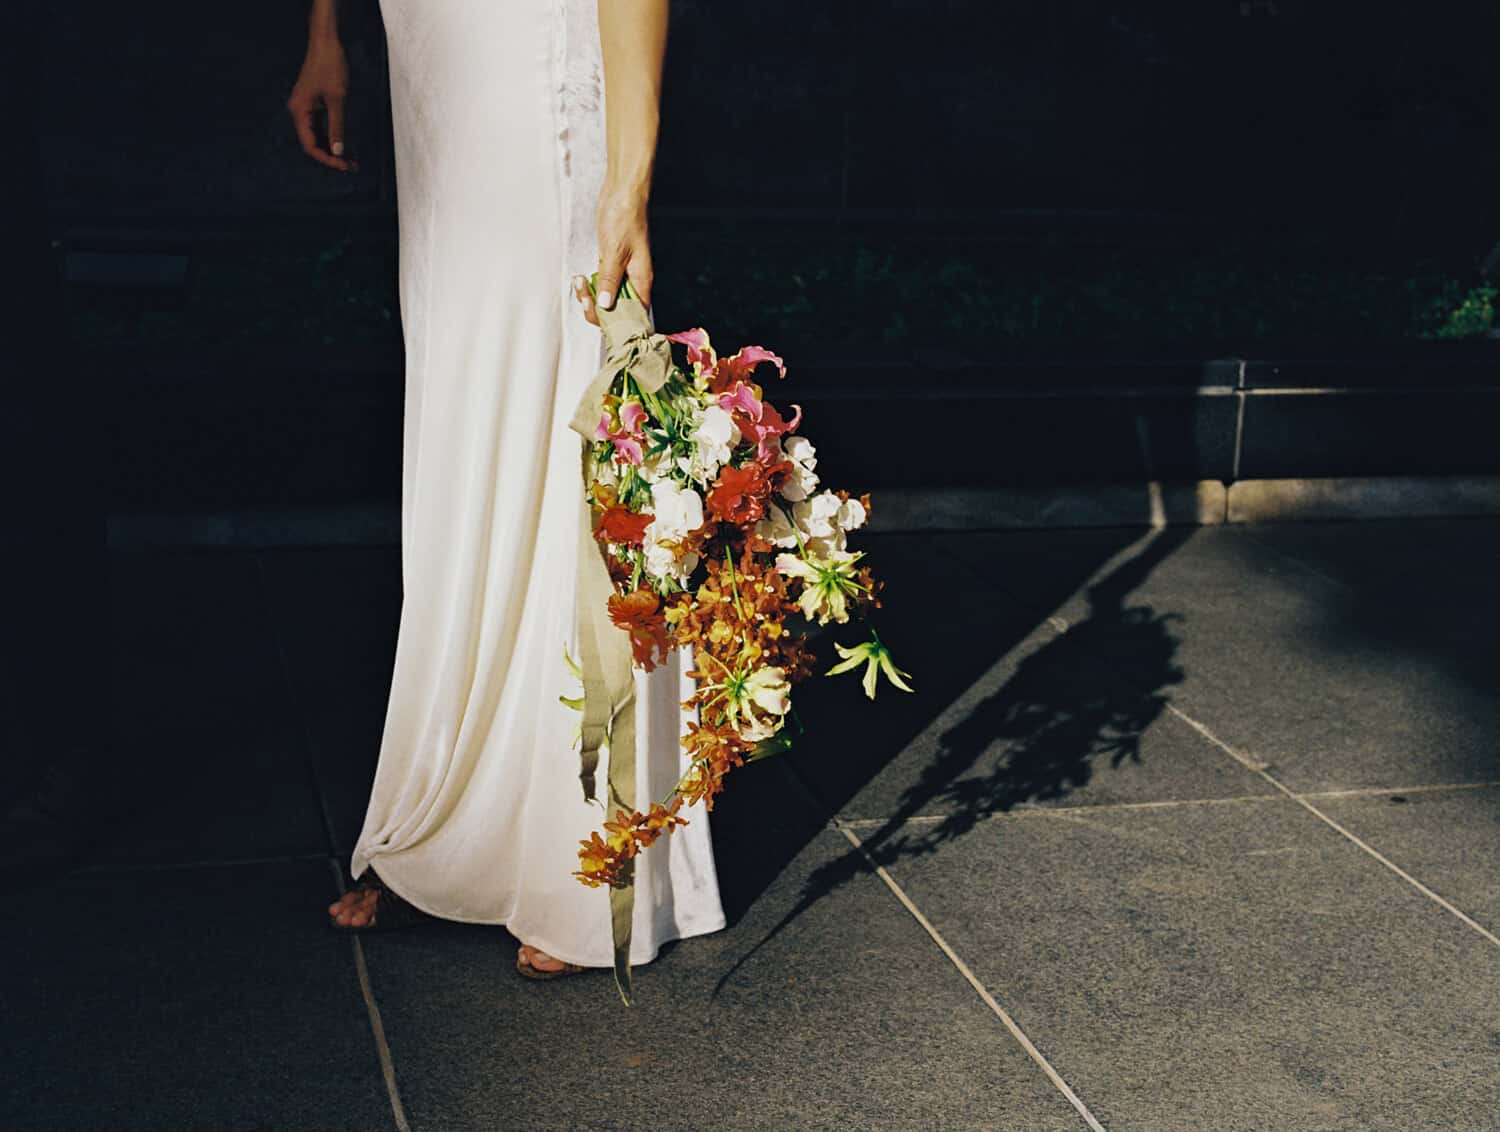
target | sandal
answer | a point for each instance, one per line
(531, 972)
(391, 910)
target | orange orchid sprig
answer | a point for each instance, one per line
(603, 860)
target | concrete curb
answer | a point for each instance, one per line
(1389, 497)
(1092, 505)
(375, 524)
(905, 510)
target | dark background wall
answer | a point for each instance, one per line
(1376, 120)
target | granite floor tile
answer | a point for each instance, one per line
(209, 998)
(1296, 671)
(1228, 967)
(1050, 722)
(1010, 710)
(1449, 840)
(824, 1006)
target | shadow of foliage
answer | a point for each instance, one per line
(1088, 694)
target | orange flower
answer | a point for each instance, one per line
(622, 525)
(639, 613)
(600, 863)
(619, 833)
(739, 494)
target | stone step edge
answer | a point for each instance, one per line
(904, 510)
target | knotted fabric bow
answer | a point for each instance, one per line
(631, 346)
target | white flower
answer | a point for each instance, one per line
(818, 517)
(713, 436)
(676, 512)
(662, 561)
(826, 547)
(802, 481)
(763, 702)
(776, 527)
(852, 514)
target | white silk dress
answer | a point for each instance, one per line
(476, 810)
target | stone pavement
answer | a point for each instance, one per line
(1185, 829)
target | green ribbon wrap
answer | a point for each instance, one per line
(631, 346)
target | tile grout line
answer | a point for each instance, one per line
(382, 1048)
(1168, 803)
(1059, 625)
(1240, 758)
(835, 823)
(964, 970)
(361, 968)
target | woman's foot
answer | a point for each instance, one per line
(354, 909)
(537, 964)
(371, 905)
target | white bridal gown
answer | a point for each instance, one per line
(477, 811)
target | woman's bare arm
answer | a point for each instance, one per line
(324, 81)
(633, 40)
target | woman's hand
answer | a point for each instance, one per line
(624, 249)
(324, 81)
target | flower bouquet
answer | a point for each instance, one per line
(718, 537)
(717, 531)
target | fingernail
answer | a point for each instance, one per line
(605, 297)
(337, 148)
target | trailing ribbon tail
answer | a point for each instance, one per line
(604, 650)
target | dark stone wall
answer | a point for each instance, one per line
(1318, 113)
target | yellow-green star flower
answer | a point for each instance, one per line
(877, 659)
(826, 583)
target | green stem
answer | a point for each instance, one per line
(733, 586)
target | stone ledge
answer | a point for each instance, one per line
(375, 524)
(1372, 497)
(1093, 505)
(903, 510)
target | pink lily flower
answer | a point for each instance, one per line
(700, 352)
(742, 398)
(627, 451)
(743, 363)
(757, 420)
(631, 415)
(627, 438)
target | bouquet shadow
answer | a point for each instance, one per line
(1084, 695)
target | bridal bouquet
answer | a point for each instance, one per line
(718, 537)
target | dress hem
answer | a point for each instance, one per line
(682, 932)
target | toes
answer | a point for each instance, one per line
(353, 909)
(544, 962)
(533, 957)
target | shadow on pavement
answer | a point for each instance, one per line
(1087, 694)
